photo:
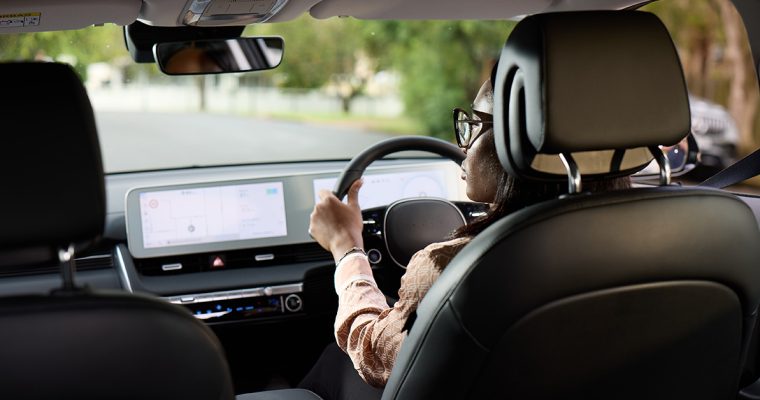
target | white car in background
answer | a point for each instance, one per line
(716, 133)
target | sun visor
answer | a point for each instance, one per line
(437, 9)
(455, 9)
(18, 16)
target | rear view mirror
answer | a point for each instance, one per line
(215, 56)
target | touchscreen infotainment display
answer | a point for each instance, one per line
(212, 214)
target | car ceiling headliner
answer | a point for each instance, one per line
(75, 14)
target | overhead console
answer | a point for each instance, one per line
(229, 12)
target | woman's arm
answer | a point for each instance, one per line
(366, 328)
(369, 331)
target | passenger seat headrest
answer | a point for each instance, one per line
(53, 186)
(594, 83)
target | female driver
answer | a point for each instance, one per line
(366, 328)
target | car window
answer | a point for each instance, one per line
(343, 84)
(713, 46)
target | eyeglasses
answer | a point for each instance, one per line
(467, 128)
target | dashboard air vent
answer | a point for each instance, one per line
(102, 259)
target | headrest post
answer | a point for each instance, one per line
(573, 173)
(68, 267)
(662, 161)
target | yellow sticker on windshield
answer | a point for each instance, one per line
(20, 20)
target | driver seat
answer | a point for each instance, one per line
(647, 293)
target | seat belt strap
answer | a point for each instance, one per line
(740, 171)
(410, 321)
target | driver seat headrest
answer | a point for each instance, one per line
(53, 175)
(603, 86)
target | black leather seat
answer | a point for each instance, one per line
(648, 293)
(75, 343)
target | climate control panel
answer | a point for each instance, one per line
(243, 304)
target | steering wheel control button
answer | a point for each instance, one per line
(171, 267)
(371, 220)
(293, 303)
(374, 256)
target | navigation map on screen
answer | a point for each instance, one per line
(214, 214)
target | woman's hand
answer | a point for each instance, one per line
(336, 226)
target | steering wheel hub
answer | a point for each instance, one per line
(413, 224)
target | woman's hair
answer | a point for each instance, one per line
(513, 194)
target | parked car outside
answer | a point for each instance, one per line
(716, 133)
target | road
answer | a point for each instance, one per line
(144, 141)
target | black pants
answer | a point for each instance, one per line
(333, 377)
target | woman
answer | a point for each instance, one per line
(366, 328)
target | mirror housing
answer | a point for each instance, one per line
(140, 38)
(216, 56)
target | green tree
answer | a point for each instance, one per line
(717, 63)
(79, 47)
(442, 63)
(320, 53)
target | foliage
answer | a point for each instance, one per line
(320, 53)
(77, 47)
(697, 30)
(716, 58)
(315, 50)
(442, 63)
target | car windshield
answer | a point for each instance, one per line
(345, 84)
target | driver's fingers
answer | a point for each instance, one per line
(324, 193)
(353, 193)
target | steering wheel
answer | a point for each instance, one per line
(408, 225)
(355, 169)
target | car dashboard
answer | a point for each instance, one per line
(231, 243)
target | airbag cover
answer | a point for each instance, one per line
(412, 224)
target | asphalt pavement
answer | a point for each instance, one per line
(145, 141)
